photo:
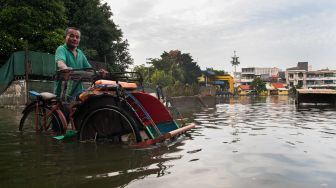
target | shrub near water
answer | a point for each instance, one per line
(180, 89)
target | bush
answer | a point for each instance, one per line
(180, 89)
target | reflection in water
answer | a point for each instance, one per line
(35, 160)
(243, 142)
(270, 138)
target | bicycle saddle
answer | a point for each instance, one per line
(43, 95)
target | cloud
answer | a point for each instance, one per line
(265, 33)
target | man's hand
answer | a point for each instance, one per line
(65, 73)
(102, 73)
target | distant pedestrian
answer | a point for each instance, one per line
(159, 92)
(162, 95)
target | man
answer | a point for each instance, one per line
(68, 56)
(159, 92)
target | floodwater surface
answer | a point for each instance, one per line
(244, 142)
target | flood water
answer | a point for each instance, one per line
(244, 142)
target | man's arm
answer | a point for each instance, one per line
(60, 58)
(61, 65)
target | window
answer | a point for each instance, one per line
(300, 84)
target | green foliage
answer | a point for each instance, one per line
(180, 66)
(217, 72)
(41, 24)
(144, 71)
(38, 23)
(101, 39)
(258, 85)
(180, 89)
(175, 71)
(299, 85)
(292, 91)
(162, 78)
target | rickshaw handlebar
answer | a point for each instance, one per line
(91, 75)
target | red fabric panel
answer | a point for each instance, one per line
(153, 106)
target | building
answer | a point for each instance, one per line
(250, 73)
(297, 76)
(303, 77)
(280, 89)
(236, 78)
(321, 79)
(244, 90)
(224, 82)
(205, 78)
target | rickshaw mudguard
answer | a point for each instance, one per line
(153, 107)
(28, 106)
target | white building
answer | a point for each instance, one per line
(304, 77)
(296, 76)
(249, 73)
(324, 79)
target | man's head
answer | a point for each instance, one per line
(72, 37)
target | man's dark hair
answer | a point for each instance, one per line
(67, 30)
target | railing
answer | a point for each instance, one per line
(321, 85)
(321, 78)
(246, 80)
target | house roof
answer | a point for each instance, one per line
(278, 85)
(245, 87)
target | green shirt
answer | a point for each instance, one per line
(64, 54)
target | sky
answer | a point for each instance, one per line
(264, 33)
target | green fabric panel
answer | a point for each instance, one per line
(42, 64)
(12, 67)
(6, 74)
(17, 59)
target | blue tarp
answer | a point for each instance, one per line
(219, 82)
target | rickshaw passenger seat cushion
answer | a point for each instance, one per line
(125, 85)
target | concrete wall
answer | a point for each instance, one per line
(193, 103)
(15, 94)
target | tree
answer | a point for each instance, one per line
(101, 38)
(218, 72)
(146, 73)
(190, 69)
(258, 85)
(180, 66)
(41, 24)
(38, 23)
(162, 78)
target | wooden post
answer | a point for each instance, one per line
(26, 72)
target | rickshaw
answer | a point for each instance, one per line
(114, 107)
